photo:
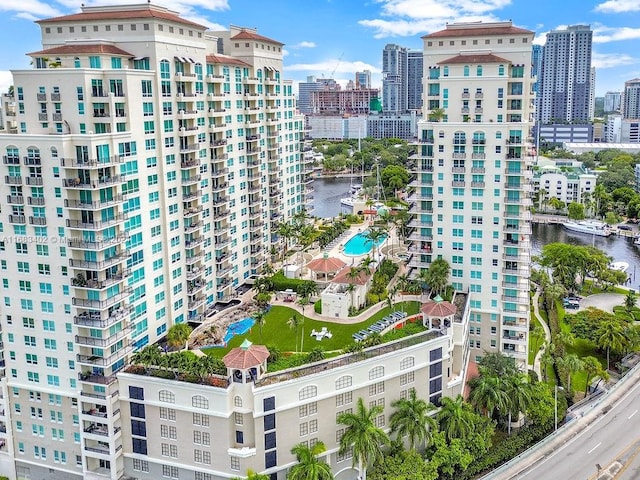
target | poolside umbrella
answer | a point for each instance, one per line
(325, 265)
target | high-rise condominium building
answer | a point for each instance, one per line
(146, 164)
(363, 79)
(613, 101)
(631, 99)
(471, 200)
(402, 72)
(565, 81)
(536, 63)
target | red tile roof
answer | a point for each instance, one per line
(478, 32)
(247, 35)
(438, 309)
(479, 58)
(243, 358)
(144, 13)
(226, 60)
(343, 277)
(82, 49)
(325, 265)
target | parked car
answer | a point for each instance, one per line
(627, 228)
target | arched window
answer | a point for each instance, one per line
(344, 382)
(308, 392)
(237, 401)
(501, 70)
(466, 70)
(376, 372)
(445, 71)
(479, 70)
(407, 362)
(76, 62)
(54, 152)
(166, 396)
(199, 401)
(13, 156)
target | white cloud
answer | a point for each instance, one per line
(602, 34)
(611, 60)
(412, 17)
(325, 67)
(34, 8)
(303, 44)
(618, 6)
(6, 80)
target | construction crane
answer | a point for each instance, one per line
(337, 65)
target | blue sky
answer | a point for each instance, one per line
(343, 36)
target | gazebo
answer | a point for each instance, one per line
(438, 313)
(246, 363)
(325, 266)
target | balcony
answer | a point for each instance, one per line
(97, 244)
(187, 164)
(191, 180)
(13, 180)
(81, 205)
(37, 221)
(192, 227)
(192, 211)
(84, 184)
(196, 301)
(10, 160)
(218, 172)
(95, 320)
(477, 170)
(103, 342)
(219, 187)
(90, 163)
(191, 259)
(99, 264)
(459, 156)
(478, 156)
(477, 184)
(19, 219)
(194, 242)
(15, 199)
(458, 183)
(96, 224)
(35, 201)
(32, 161)
(95, 360)
(218, 143)
(91, 284)
(190, 147)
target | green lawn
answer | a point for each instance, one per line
(277, 333)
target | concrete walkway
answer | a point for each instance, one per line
(547, 334)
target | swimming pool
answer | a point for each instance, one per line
(359, 244)
(238, 328)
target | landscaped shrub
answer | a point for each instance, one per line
(317, 307)
(282, 283)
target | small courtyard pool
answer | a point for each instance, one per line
(359, 244)
(238, 328)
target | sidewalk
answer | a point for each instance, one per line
(547, 334)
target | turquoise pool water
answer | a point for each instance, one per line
(359, 244)
(238, 328)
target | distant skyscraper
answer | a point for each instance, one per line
(536, 63)
(313, 84)
(401, 79)
(592, 94)
(415, 62)
(363, 79)
(612, 101)
(565, 81)
(631, 103)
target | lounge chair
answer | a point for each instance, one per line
(328, 334)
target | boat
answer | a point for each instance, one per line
(588, 226)
(348, 201)
(619, 266)
(636, 241)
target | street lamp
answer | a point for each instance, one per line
(555, 417)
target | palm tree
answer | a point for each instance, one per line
(437, 115)
(592, 367)
(571, 363)
(363, 436)
(260, 318)
(611, 336)
(295, 323)
(403, 285)
(309, 467)
(287, 232)
(537, 336)
(365, 264)
(542, 194)
(437, 276)
(567, 338)
(488, 394)
(375, 236)
(455, 418)
(547, 359)
(519, 395)
(251, 475)
(630, 301)
(412, 419)
(179, 334)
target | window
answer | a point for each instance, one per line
(376, 372)
(169, 471)
(166, 396)
(136, 393)
(344, 382)
(199, 401)
(308, 392)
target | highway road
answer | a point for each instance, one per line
(611, 441)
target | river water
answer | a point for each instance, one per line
(329, 191)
